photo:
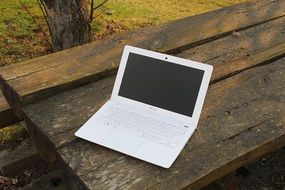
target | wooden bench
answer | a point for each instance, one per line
(242, 120)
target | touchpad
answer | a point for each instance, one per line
(122, 142)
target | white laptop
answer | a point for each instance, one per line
(154, 108)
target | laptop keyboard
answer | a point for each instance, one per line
(145, 127)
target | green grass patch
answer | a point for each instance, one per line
(12, 135)
(14, 20)
(136, 13)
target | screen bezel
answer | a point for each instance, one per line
(176, 60)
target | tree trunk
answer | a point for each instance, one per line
(68, 22)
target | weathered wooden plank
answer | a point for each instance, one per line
(7, 116)
(44, 126)
(23, 157)
(88, 63)
(63, 120)
(59, 122)
(241, 64)
(242, 44)
(246, 123)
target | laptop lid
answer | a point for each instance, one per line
(168, 85)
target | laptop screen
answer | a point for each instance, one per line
(161, 84)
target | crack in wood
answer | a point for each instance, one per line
(45, 92)
(270, 3)
(156, 184)
(247, 130)
(232, 74)
(32, 72)
(213, 58)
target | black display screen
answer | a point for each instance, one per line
(161, 84)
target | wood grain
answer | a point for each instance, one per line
(100, 59)
(7, 116)
(253, 60)
(247, 42)
(243, 119)
(233, 131)
(45, 126)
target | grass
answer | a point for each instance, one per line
(11, 136)
(14, 20)
(137, 13)
(21, 39)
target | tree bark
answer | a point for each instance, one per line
(68, 23)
